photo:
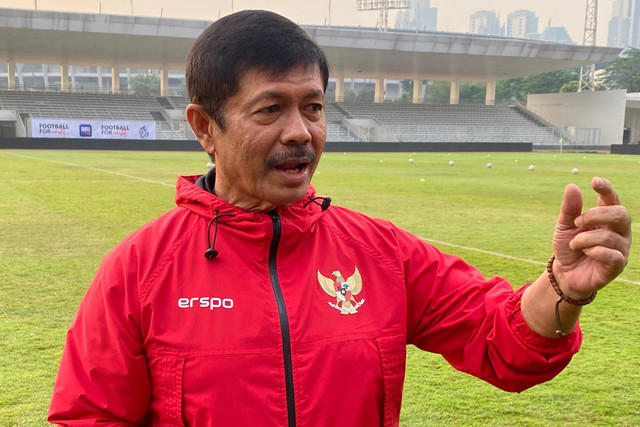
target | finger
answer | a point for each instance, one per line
(571, 207)
(607, 195)
(614, 260)
(600, 237)
(614, 217)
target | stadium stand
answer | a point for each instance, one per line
(336, 130)
(404, 122)
(81, 105)
(454, 123)
(177, 102)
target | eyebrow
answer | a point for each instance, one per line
(279, 95)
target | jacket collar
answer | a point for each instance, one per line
(193, 193)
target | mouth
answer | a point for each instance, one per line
(293, 167)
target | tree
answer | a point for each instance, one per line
(145, 84)
(624, 73)
(366, 94)
(511, 90)
(407, 86)
(350, 95)
(550, 82)
(473, 90)
(437, 91)
(407, 90)
(517, 89)
(572, 86)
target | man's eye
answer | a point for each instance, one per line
(316, 107)
(271, 109)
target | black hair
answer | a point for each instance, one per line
(246, 40)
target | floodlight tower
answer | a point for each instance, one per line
(383, 6)
(587, 73)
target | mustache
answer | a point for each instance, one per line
(292, 154)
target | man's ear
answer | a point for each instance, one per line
(203, 127)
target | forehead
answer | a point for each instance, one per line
(300, 78)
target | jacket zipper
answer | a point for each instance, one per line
(284, 320)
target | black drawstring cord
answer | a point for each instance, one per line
(326, 201)
(211, 252)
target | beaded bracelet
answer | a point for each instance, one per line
(562, 297)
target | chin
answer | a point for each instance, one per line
(288, 197)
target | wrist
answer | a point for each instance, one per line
(562, 297)
(562, 288)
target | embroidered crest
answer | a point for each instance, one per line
(344, 291)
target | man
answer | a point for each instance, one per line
(256, 303)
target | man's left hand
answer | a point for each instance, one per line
(592, 248)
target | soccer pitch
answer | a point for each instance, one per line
(62, 211)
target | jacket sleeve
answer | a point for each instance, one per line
(103, 376)
(476, 323)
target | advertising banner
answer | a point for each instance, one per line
(92, 129)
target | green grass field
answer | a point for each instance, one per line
(62, 211)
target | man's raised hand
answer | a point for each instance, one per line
(592, 248)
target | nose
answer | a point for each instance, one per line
(296, 131)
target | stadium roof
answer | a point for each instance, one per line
(145, 42)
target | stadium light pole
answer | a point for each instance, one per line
(383, 6)
(588, 72)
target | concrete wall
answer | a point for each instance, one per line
(626, 149)
(427, 147)
(632, 117)
(98, 144)
(632, 122)
(182, 145)
(600, 109)
(13, 117)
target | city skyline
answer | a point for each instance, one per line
(453, 15)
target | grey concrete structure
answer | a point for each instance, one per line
(632, 119)
(117, 41)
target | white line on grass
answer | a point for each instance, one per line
(439, 242)
(96, 169)
(498, 254)
(530, 261)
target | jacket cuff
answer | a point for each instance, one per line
(546, 346)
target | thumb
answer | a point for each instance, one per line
(571, 207)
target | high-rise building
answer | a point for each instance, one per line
(624, 27)
(419, 17)
(522, 24)
(485, 22)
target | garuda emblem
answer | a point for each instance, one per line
(344, 291)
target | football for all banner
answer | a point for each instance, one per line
(92, 129)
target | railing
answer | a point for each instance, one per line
(174, 129)
(92, 89)
(549, 136)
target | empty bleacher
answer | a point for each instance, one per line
(178, 102)
(406, 122)
(453, 123)
(336, 130)
(339, 133)
(66, 105)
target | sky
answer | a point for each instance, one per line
(453, 15)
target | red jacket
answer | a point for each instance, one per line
(302, 318)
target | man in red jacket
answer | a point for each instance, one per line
(295, 312)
